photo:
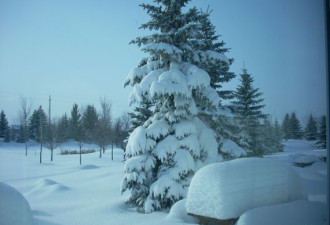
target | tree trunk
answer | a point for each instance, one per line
(112, 151)
(51, 156)
(40, 152)
(80, 153)
(100, 152)
(25, 148)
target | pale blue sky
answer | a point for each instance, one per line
(77, 51)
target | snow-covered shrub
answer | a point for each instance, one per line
(14, 208)
(226, 190)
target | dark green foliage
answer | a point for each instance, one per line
(63, 129)
(75, 122)
(217, 69)
(141, 114)
(295, 127)
(286, 127)
(247, 108)
(4, 127)
(38, 125)
(322, 138)
(311, 129)
(271, 136)
(89, 123)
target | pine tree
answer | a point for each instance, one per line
(89, 122)
(278, 134)
(294, 127)
(247, 108)
(141, 114)
(286, 127)
(311, 129)
(322, 138)
(4, 127)
(74, 122)
(35, 126)
(63, 128)
(163, 153)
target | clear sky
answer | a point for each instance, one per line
(78, 51)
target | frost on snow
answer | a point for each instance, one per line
(300, 212)
(227, 190)
(14, 208)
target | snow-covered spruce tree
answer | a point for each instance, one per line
(163, 154)
(311, 129)
(217, 66)
(247, 107)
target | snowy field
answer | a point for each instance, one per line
(64, 193)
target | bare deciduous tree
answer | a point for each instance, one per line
(24, 114)
(103, 136)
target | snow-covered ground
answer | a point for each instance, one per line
(64, 193)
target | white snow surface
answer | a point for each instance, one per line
(14, 208)
(226, 190)
(307, 213)
(64, 193)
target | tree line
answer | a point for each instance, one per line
(83, 125)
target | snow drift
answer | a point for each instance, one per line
(14, 208)
(227, 190)
(299, 212)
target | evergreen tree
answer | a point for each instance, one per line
(322, 138)
(311, 129)
(89, 123)
(294, 127)
(247, 108)
(163, 153)
(74, 122)
(4, 127)
(141, 114)
(278, 134)
(38, 122)
(286, 127)
(63, 129)
(271, 136)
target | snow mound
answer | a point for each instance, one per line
(227, 190)
(307, 159)
(299, 212)
(88, 167)
(48, 186)
(14, 208)
(179, 213)
(230, 147)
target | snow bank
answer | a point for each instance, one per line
(14, 208)
(227, 190)
(299, 212)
